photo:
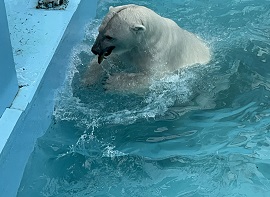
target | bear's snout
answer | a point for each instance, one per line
(102, 53)
(95, 50)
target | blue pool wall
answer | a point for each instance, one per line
(36, 118)
(8, 78)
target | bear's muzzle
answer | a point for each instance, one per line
(102, 53)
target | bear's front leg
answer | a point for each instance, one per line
(136, 83)
(94, 72)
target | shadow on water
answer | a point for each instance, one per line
(201, 132)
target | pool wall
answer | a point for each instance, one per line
(8, 78)
(35, 101)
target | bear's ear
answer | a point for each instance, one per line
(110, 8)
(138, 28)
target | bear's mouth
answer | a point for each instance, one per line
(107, 52)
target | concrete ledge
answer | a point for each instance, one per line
(8, 78)
(35, 35)
(41, 58)
(8, 122)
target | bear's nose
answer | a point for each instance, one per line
(94, 50)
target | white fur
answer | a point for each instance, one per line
(152, 45)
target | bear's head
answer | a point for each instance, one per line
(121, 31)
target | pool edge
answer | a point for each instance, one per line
(26, 125)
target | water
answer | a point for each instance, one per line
(201, 132)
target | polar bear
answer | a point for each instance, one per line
(135, 46)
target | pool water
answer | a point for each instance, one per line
(201, 132)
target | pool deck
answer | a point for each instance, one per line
(35, 35)
(42, 42)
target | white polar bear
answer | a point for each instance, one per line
(141, 46)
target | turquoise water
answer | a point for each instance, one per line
(201, 132)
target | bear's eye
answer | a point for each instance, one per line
(108, 37)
